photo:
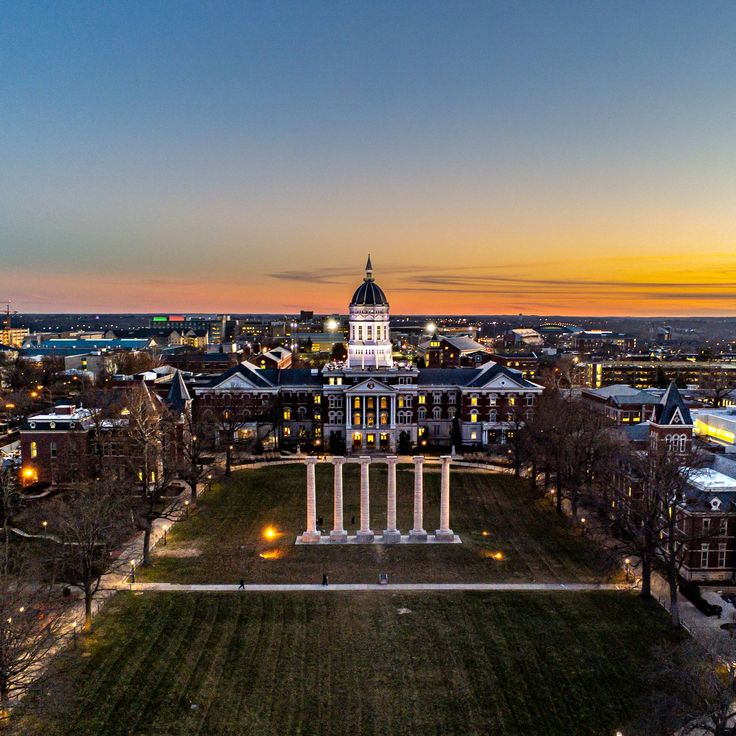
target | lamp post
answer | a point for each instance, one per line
(582, 523)
(186, 509)
(627, 563)
(74, 635)
(132, 572)
(166, 529)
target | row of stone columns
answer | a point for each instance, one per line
(391, 534)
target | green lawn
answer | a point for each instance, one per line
(351, 663)
(223, 540)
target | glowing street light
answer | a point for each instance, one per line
(132, 571)
(627, 562)
(431, 328)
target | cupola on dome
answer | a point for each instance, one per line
(369, 293)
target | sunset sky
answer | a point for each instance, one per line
(493, 157)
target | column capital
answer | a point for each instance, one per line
(310, 460)
(446, 459)
(392, 459)
(418, 459)
(365, 459)
(338, 460)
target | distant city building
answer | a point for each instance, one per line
(442, 351)
(651, 374)
(13, 336)
(214, 327)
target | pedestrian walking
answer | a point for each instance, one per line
(324, 580)
(241, 586)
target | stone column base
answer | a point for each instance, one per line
(418, 535)
(308, 537)
(338, 535)
(391, 536)
(444, 535)
(364, 537)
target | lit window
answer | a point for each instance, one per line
(422, 398)
(34, 449)
(287, 431)
(473, 401)
(287, 414)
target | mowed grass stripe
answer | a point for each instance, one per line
(513, 664)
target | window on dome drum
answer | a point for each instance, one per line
(369, 332)
(360, 332)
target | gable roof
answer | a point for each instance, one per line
(247, 372)
(473, 377)
(672, 409)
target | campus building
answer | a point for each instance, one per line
(372, 402)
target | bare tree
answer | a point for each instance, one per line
(85, 530)
(717, 385)
(151, 435)
(196, 434)
(30, 629)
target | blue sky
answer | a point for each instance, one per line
(194, 155)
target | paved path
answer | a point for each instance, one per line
(394, 587)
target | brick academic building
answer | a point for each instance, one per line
(372, 402)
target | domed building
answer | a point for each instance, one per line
(369, 335)
(370, 403)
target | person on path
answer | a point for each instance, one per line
(324, 580)
(241, 586)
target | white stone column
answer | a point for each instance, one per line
(364, 533)
(418, 533)
(311, 534)
(444, 533)
(391, 534)
(338, 533)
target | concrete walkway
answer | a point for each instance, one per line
(394, 587)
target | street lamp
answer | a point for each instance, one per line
(627, 562)
(132, 571)
(166, 528)
(44, 524)
(186, 508)
(74, 635)
(582, 522)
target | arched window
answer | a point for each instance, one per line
(287, 414)
(493, 415)
(422, 413)
(473, 415)
(301, 413)
(436, 412)
(384, 402)
(356, 418)
(384, 418)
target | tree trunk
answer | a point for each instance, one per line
(558, 491)
(228, 461)
(4, 700)
(646, 576)
(533, 476)
(88, 610)
(147, 543)
(193, 487)
(674, 603)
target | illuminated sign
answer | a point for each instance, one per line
(160, 319)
